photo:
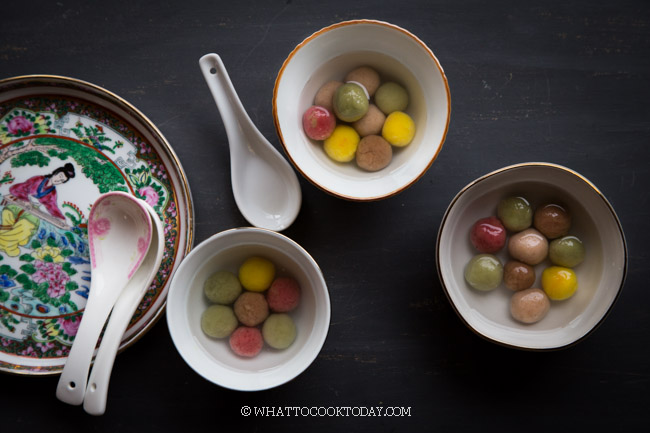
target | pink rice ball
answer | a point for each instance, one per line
(283, 295)
(318, 122)
(246, 341)
(488, 235)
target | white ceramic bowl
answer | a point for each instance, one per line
(328, 55)
(600, 276)
(212, 358)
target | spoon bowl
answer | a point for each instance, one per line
(119, 235)
(266, 188)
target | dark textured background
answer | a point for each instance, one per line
(564, 82)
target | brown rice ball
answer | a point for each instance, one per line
(373, 153)
(325, 95)
(251, 308)
(366, 76)
(371, 123)
(529, 305)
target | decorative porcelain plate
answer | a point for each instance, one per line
(63, 142)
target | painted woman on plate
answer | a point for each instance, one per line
(18, 224)
(43, 188)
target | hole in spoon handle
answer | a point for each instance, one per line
(234, 116)
(72, 382)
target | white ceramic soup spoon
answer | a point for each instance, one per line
(119, 235)
(265, 186)
(100, 375)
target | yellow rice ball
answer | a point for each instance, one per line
(342, 145)
(256, 274)
(559, 282)
(398, 129)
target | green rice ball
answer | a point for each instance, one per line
(391, 97)
(279, 331)
(218, 321)
(222, 287)
(567, 251)
(350, 102)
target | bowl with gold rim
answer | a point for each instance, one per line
(596, 282)
(393, 55)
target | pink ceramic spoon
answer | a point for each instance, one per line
(119, 236)
(97, 390)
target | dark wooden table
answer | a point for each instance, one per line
(558, 82)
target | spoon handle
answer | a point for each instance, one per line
(97, 389)
(96, 393)
(230, 107)
(72, 383)
(100, 376)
